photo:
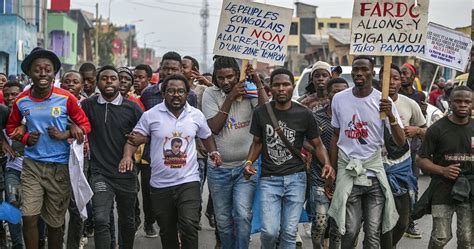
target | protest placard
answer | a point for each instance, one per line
(447, 47)
(249, 30)
(389, 27)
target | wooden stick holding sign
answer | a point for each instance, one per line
(387, 62)
(243, 74)
(433, 80)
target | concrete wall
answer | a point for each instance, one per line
(62, 37)
(17, 39)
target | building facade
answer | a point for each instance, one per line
(17, 40)
(62, 38)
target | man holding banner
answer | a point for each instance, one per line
(362, 189)
(228, 111)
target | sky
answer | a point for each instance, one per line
(175, 24)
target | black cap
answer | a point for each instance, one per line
(37, 53)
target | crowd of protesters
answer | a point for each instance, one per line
(164, 133)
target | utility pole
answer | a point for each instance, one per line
(144, 45)
(130, 46)
(97, 34)
(204, 25)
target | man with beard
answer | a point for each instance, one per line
(317, 96)
(171, 64)
(175, 179)
(112, 118)
(362, 188)
(45, 175)
(88, 73)
(229, 116)
(447, 153)
(283, 178)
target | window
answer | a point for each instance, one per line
(332, 25)
(344, 25)
(294, 28)
(320, 25)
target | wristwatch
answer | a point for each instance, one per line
(214, 153)
(395, 122)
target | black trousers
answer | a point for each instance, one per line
(390, 239)
(145, 173)
(176, 210)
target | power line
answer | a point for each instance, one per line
(166, 9)
(183, 4)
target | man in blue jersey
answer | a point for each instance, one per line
(45, 175)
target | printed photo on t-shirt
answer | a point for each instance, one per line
(174, 150)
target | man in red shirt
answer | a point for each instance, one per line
(437, 92)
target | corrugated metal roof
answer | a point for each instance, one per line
(315, 40)
(341, 35)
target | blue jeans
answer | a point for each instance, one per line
(233, 199)
(282, 199)
(12, 185)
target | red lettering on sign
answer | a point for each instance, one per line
(267, 36)
(398, 9)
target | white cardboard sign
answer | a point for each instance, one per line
(250, 30)
(447, 47)
(389, 27)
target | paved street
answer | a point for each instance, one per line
(207, 239)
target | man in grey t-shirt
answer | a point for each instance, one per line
(229, 115)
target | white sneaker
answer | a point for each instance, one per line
(299, 241)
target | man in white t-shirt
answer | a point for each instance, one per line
(172, 127)
(362, 189)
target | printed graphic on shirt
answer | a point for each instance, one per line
(56, 111)
(277, 150)
(232, 123)
(174, 150)
(459, 157)
(357, 130)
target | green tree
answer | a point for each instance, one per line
(105, 45)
